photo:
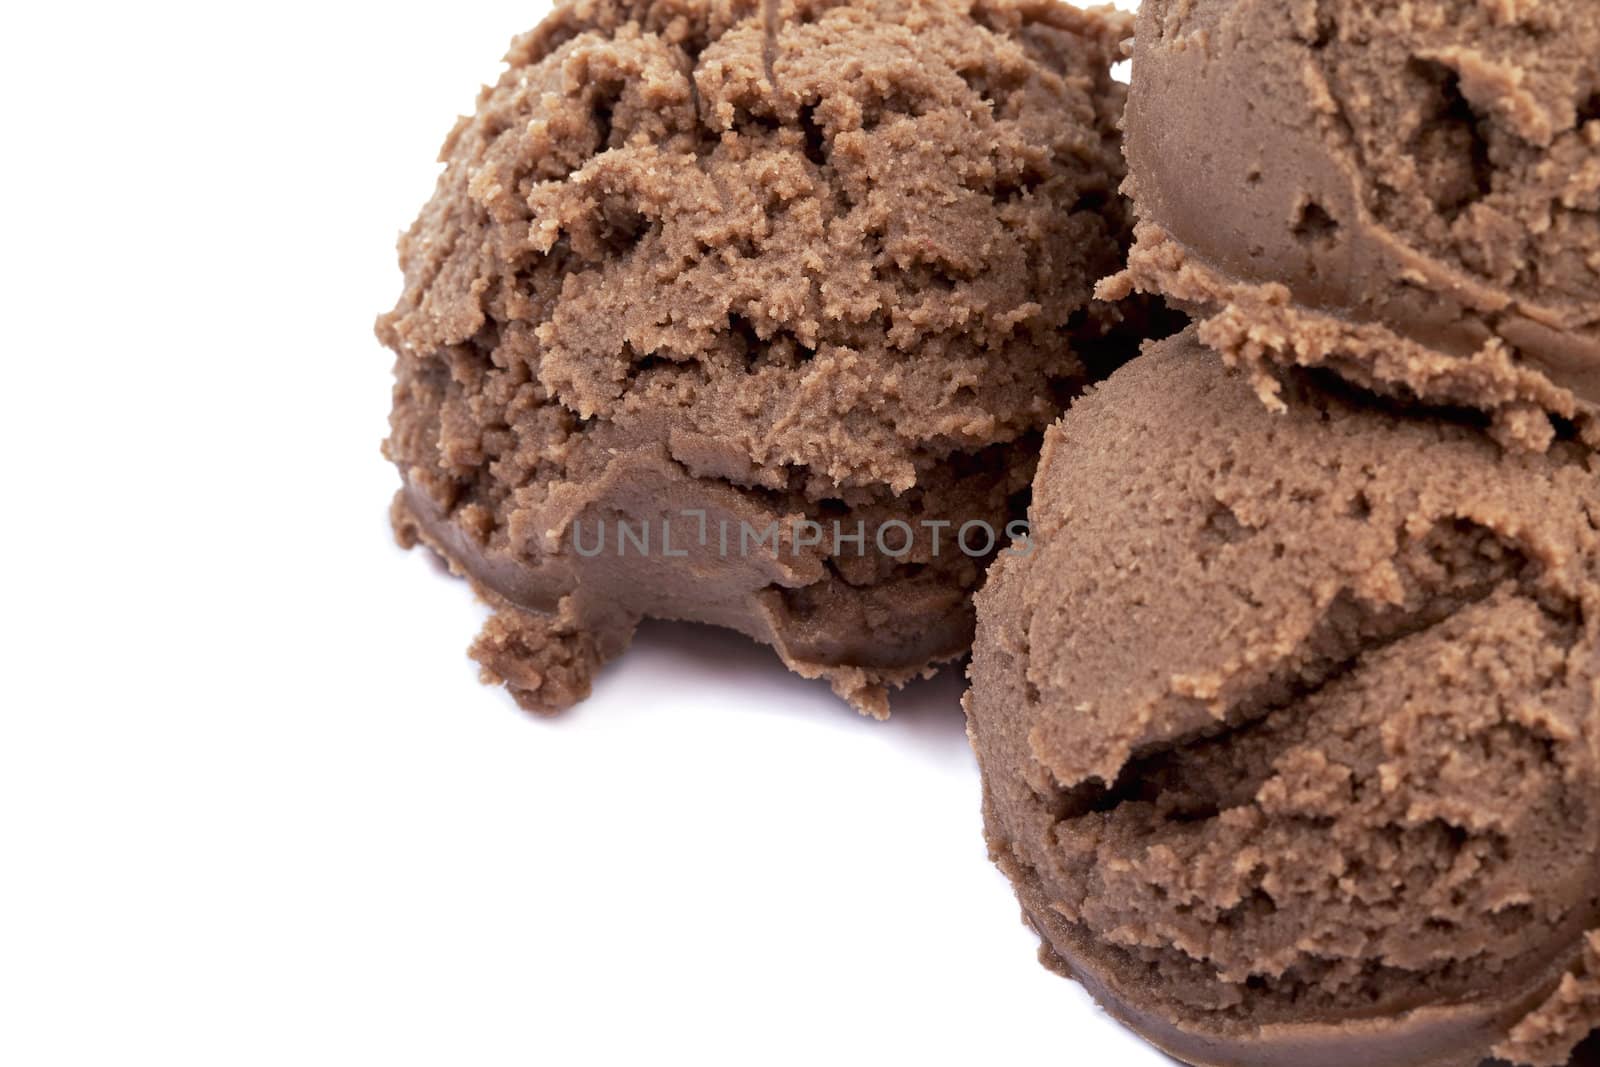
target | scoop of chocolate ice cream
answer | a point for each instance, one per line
(1290, 724)
(1407, 193)
(714, 270)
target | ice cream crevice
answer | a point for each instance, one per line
(1314, 224)
(1589, 110)
(1448, 146)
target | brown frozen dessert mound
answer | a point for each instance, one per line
(1404, 191)
(1289, 724)
(742, 267)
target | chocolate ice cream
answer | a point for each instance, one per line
(710, 271)
(1405, 192)
(1289, 723)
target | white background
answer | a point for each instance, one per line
(254, 806)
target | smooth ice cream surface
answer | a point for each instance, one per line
(1406, 192)
(1290, 723)
(815, 259)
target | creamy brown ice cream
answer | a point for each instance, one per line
(1405, 192)
(1290, 724)
(730, 265)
